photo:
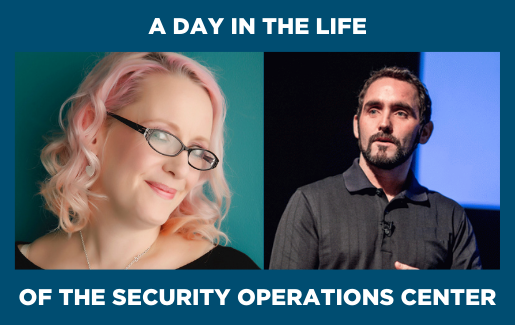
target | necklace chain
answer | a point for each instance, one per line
(84, 248)
(134, 260)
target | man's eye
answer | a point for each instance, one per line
(402, 114)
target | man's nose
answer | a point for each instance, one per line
(385, 124)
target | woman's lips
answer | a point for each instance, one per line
(162, 190)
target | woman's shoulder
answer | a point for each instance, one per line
(41, 253)
(222, 257)
(21, 262)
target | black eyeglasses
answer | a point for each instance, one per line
(169, 145)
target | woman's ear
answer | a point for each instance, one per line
(89, 122)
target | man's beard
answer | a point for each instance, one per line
(381, 160)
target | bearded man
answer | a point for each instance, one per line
(376, 215)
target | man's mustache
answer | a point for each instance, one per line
(382, 135)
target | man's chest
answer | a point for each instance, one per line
(371, 233)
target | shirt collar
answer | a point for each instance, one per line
(356, 180)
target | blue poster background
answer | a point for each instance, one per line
(399, 26)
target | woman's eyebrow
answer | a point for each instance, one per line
(175, 128)
(201, 139)
(172, 125)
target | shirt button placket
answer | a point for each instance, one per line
(387, 230)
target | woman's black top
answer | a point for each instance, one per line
(219, 258)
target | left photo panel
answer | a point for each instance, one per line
(139, 160)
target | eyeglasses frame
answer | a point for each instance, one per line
(147, 132)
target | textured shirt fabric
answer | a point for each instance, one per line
(338, 223)
(219, 258)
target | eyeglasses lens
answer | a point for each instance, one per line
(167, 144)
(201, 159)
(164, 143)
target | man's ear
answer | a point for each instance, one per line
(426, 132)
(356, 128)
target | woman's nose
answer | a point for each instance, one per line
(178, 166)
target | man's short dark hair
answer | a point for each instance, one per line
(403, 74)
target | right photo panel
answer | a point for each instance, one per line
(382, 160)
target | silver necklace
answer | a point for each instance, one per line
(134, 260)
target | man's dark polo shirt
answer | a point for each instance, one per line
(338, 223)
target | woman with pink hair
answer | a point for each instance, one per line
(136, 179)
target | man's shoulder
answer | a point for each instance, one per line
(320, 195)
(442, 202)
(326, 185)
